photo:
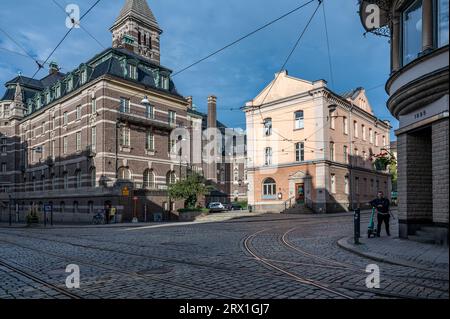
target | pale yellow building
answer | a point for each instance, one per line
(310, 148)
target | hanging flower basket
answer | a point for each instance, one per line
(383, 160)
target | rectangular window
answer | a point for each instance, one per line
(357, 185)
(331, 151)
(78, 142)
(150, 141)
(53, 149)
(65, 118)
(3, 145)
(268, 156)
(299, 120)
(412, 32)
(58, 91)
(150, 112)
(333, 120)
(78, 112)
(83, 76)
(346, 185)
(346, 154)
(125, 136)
(442, 23)
(69, 85)
(124, 105)
(132, 72)
(172, 117)
(370, 136)
(300, 152)
(268, 127)
(65, 145)
(355, 129)
(94, 106)
(376, 139)
(384, 141)
(93, 138)
(363, 129)
(333, 183)
(172, 146)
(345, 123)
(4, 167)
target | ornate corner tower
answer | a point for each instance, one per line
(137, 30)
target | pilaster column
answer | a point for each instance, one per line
(395, 45)
(427, 25)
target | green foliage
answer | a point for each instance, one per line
(189, 190)
(394, 175)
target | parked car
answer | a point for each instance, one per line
(216, 207)
(234, 206)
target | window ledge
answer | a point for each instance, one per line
(150, 152)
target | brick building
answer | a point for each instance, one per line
(418, 90)
(102, 135)
(310, 148)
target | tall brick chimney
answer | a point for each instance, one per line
(212, 111)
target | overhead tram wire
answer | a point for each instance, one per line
(242, 38)
(80, 25)
(239, 40)
(64, 38)
(285, 63)
(328, 46)
(21, 47)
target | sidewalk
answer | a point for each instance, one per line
(394, 250)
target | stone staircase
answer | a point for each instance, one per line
(427, 235)
(298, 209)
(220, 217)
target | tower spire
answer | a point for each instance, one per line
(137, 30)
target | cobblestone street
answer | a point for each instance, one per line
(267, 256)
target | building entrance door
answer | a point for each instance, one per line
(300, 193)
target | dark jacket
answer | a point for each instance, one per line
(381, 204)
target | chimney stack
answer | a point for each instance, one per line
(53, 68)
(190, 100)
(212, 111)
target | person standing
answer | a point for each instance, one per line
(382, 204)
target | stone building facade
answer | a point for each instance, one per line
(418, 89)
(310, 148)
(103, 135)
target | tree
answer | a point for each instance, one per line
(189, 190)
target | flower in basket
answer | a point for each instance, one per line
(383, 160)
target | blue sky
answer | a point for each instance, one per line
(194, 28)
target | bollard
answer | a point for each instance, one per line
(357, 225)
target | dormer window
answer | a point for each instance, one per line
(38, 102)
(132, 71)
(83, 76)
(48, 97)
(58, 91)
(164, 82)
(70, 85)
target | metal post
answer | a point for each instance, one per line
(10, 213)
(357, 225)
(51, 215)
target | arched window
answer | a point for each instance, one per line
(171, 178)
(149, 179)
(93, 175)
(269, 189)
(124, 173)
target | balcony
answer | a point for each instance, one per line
(144, 121)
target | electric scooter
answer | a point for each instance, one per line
(372, 229)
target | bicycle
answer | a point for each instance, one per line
(98, 219)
